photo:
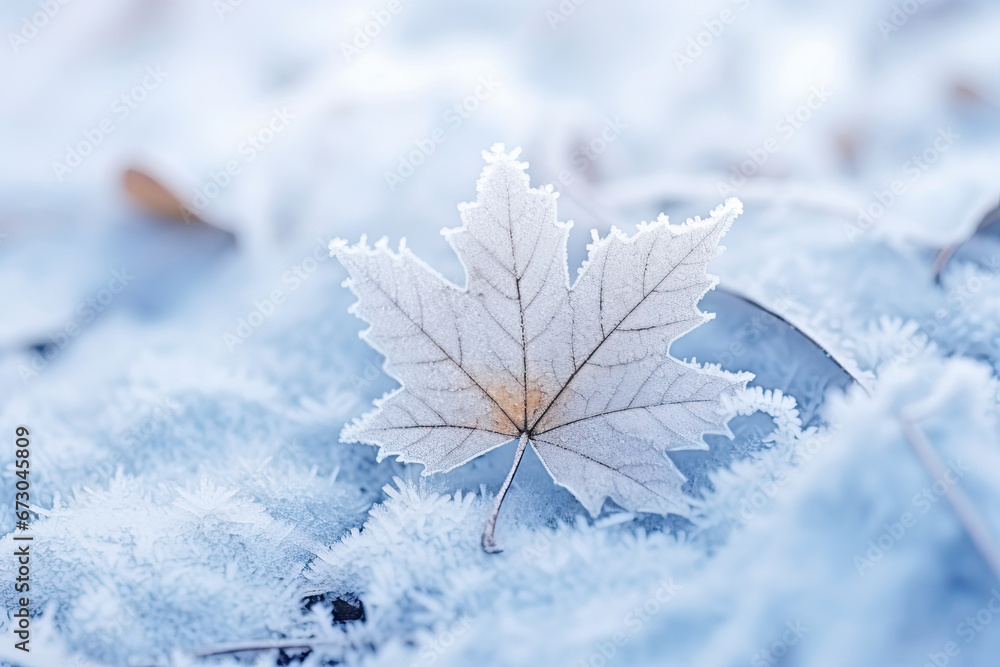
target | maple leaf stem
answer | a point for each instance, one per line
(489, 545)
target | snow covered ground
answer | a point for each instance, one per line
(185, 385)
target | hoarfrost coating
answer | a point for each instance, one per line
(583, 371)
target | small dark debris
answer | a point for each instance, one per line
(344, 608)
(43, 349)
(288, 656)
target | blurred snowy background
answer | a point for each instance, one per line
(177, 340)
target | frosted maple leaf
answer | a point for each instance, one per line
(583, 373)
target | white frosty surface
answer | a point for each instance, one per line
(192, 489)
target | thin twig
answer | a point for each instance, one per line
(944, 256)
(265, 645)
(683, 187)
(968, 516)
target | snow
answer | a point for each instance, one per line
(190, 485)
